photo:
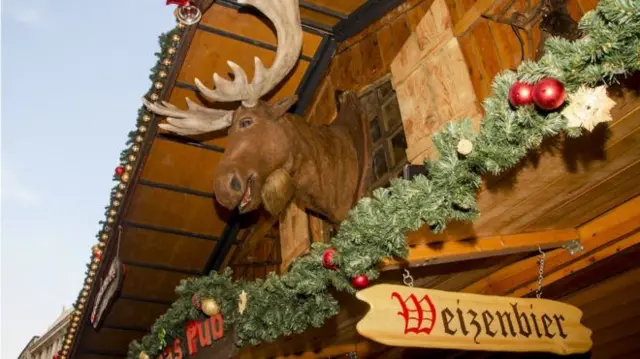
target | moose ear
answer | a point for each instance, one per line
(283, 105)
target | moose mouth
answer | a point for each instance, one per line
(246, 197)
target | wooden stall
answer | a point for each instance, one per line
(415, 65)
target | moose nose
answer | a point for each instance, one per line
(235, 183)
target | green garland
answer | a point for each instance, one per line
(169, 43)
(376, 228)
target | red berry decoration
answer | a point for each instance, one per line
(98, 254)
(329, 258)
(549, 94)
(360, 281)
(195, 302)
(120, 170)
(520, 94)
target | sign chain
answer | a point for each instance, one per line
(540, 272)
(407, 279)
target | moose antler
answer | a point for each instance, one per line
(285, 15)
(194, 121)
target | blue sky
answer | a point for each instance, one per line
(72, 76)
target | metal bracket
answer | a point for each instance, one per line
(573, 246)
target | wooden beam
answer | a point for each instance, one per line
(523, 273)
(471, 16)
(256, 234)
(363, 349)
(453, 251)
(582, 263)
(294, 234)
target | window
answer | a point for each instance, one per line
(389, 145)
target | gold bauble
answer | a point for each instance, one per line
(119, 195)
(143, 355)
(154, 97)
(139, 138)
(175, 38)
(94, 267)
(92, 273)
(142, 129)
(171, 50)
(181, 25)
(122, 186)
(82, 301)
(80, 306)
(86, 287)
(166, 62)
(210, 307)
(132, 158)
(158, 85)
(96, 259)
(125, 177)
(146, 118)
(113, 212)
(104, 236)
(135, 148)
(116, 203)
(66, 347)
(110, 220)
(162, 74)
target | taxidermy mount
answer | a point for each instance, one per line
(272, 156)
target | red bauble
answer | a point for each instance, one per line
(178, 2)
(360, 281)
(520, 94)
(195, 302)
(120, 170)
(56, 356)
(549, 94)
(329, 258)
(98, 254)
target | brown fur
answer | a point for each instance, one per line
(277, 191)
(321, 161)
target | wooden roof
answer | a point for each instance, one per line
(173, 228)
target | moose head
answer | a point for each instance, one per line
(271, 156)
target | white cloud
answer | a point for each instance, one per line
(15, 189)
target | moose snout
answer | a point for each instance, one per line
(229, 188)
(235, 184)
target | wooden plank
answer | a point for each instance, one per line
(514, 276)
(453, 251)
(255, 235)
(209, 59)
(294, 235)
(614, 217)
(611, 192)
(250, 26)
(165, 249)
(179, 211)
(520, 192)
(574, 184)
(580, 264)
(471, 16)
(320, 229)
(587, 5)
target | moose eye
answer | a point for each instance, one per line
(245, 122)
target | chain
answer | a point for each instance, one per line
(540, 272)
(407, 279)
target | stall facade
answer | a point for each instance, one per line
(534, 194)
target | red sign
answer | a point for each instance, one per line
(203, 339)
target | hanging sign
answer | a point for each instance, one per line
(202, 339)
(109, 287)
(415, 317)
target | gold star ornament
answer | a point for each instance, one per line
(588, 107)
(242, 302)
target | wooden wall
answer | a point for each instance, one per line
(490, 47)
(366, 57)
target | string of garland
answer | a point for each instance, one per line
(377, 226)
(169, 43)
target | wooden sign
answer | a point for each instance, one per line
(415, 317)
(202, 339)
(110, 285)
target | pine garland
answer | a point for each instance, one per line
(377, 226)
